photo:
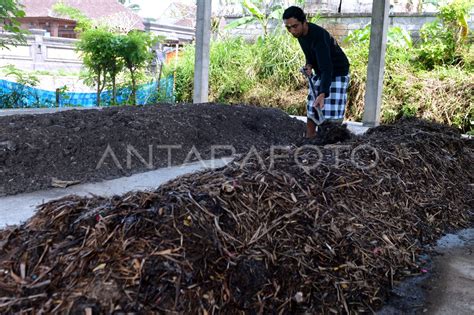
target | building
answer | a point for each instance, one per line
(40, 14)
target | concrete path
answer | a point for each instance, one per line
(19, 208)
(37, 111)
(452, 285)
(356, 128)
(446, 287)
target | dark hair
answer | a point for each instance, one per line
(294, 12)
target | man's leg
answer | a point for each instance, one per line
(310, 129)
(335, 104)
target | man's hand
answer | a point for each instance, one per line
(319, 102)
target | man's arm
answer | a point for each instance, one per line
(322, 51)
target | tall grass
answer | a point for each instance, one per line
(246, 72)
(266, 73)
(444, 94)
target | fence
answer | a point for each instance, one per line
(15, 95)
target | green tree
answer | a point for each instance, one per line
(115, 64)
(83, 23)
(105, 55)
(98, 48)
(135, 51)
(444, 40)
(10, 12)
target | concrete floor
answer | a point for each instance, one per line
(356, 128)
(19, 208)
(452, 285)
(37, 111)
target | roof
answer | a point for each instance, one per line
(180, 10)
(93, 9)
(185, 22)
(179, 13)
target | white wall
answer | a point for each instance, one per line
(227, 7)
(360, 6)
(43, 53)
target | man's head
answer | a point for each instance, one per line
(295, 21)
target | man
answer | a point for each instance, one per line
(330, 64)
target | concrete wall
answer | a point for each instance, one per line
(171, 33)
(360, 6)
(43, 53)
(339, 25)
(224, 8)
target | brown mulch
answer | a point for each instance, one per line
(293, 236)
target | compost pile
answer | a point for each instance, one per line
(70, 146)
(292, 236)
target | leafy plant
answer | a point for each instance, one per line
(135, 51)
(242, 71)
(21, 94)
(443, 94)
(10, 12)
(20, 76)
(444, 40)
(83, 23)
(106, 54)
(97, 47)
(409, 110)
(261, 12)
(63, 96)
(396, 37)
(265, 73)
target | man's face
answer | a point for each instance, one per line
(295, 27)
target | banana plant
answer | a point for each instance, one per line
(455, 15)
(261, 12)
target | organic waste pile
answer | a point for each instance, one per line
(273, 232)
(82, 146)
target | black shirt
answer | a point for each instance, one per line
(324, 54)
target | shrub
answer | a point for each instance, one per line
(443, 41)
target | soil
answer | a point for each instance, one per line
(74, 146)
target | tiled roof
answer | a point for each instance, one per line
(185, 22)
(180, 10)
(93, 9)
